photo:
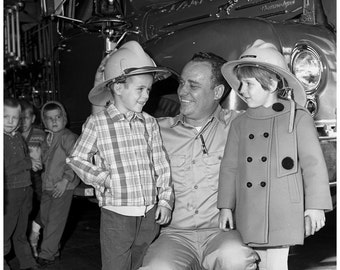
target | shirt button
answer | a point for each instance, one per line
(251, 136)
(196, 187)
(249, 159)
(196, 212)
(263, 184)
(264, 159)
(266, 134)
(249, 184)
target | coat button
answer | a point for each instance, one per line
(195, 187)
(251, 136)
(278, 107)
(249, 184)
(249, 159)
(263, 184)
(264, 159)
(287, 163)
(266, 134)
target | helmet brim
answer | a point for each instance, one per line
(100, 94)
(228, 71)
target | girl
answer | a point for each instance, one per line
(273, 173)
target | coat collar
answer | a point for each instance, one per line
(278, 108)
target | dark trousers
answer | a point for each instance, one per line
(37, 191)
(124, 240)
(17, 207)
(53, 213)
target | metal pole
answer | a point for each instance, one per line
(8, 31)
(18, 32)
(13, 32)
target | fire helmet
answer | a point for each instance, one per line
(129, 60)
(265, 55)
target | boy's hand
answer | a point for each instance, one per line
(163, 215)
(225, 218)
(59, 188)
(314, 221)
(36, 165)
(35, 155)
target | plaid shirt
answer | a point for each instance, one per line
(123, 158)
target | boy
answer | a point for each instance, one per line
(273, 173)
(58, 180)
(34, 137)
(132, 173)
(17, 184)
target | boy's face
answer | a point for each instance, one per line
(11, 118)
(133, 95)
(54, 120)
(254, 94)
(27, 119)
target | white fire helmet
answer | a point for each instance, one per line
(129, 60)
(266, 55)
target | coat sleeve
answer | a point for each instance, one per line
(67, 144)
(226, 197)
(313, 165)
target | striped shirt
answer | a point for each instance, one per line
(123, 158)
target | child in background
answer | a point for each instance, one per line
(58, 180)
(34, 138)
(273, 173)
(132, 172)
(17, 184)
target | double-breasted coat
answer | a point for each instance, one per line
(269, 176)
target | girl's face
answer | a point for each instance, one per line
(254, 94)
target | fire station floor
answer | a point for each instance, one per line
(81, 248)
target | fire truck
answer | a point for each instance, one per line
(53, 48)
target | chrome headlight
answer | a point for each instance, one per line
(307, 67)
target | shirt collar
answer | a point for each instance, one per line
(180, 119)
(116, 115)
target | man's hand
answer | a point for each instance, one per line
(59, 188)
(225, 218)
(162, 215)
(314, 221)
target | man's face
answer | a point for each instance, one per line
(196, 91)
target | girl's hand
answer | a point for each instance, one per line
(162, 215)
(225, 218)
(316, 221)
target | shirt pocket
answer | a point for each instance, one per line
(178, 172)
(212, 164)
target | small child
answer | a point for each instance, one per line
(273, 173)
(132, 172)
(58, 180)
(34, 138)
(17, 185)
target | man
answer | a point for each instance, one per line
(195, 141)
